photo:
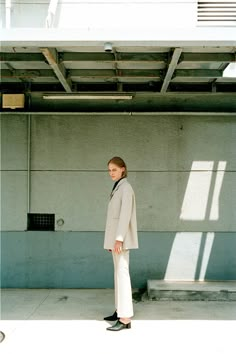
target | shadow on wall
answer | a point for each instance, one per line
(184, 256)
(203, 199)
(77, 259)
(194, 255)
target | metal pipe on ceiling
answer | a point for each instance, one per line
(130, 113)
(29, 163)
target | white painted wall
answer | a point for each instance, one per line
(108, 14)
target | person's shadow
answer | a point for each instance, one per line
(2, 336)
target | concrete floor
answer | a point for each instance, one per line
(71, 321)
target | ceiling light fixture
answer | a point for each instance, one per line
(87, 97)
(108, 47)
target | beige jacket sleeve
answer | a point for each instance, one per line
(125, 213)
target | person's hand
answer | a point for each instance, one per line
(118, 247)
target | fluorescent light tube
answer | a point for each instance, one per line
(87, 97)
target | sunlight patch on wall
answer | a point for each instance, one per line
(184, 256)
(189, 256)
(197, 191)
(202, 196)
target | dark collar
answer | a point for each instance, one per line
(116, 183)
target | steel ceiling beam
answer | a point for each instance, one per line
(52, 57)
(89, 73)
(207, 57)
(91, 57)
(110, 57)
(9, 72)
(133, 58)
(193, 73)
(28, 57)
(26, 73)
(131, 69)
(118, 72)
(171, 68)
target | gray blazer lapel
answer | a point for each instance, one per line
(117, 187)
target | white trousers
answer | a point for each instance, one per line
(122, 284)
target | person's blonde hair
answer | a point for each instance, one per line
(118, 161)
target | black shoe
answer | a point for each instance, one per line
(119, 326)
(112, 317)
(2, 336)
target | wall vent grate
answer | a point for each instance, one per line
(41, 222)
(216, 13)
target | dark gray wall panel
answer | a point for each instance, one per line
(77, 259)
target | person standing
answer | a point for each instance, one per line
(121, 236)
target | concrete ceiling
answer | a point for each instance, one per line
(158, 78)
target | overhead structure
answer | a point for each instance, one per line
(171, 68)
(59, 69)
(176, 71)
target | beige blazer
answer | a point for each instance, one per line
(121, 224)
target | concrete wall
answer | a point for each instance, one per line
(77, 260)
(102, 14)
(182, 168)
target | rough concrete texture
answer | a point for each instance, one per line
(186, 291)
(179, 185)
